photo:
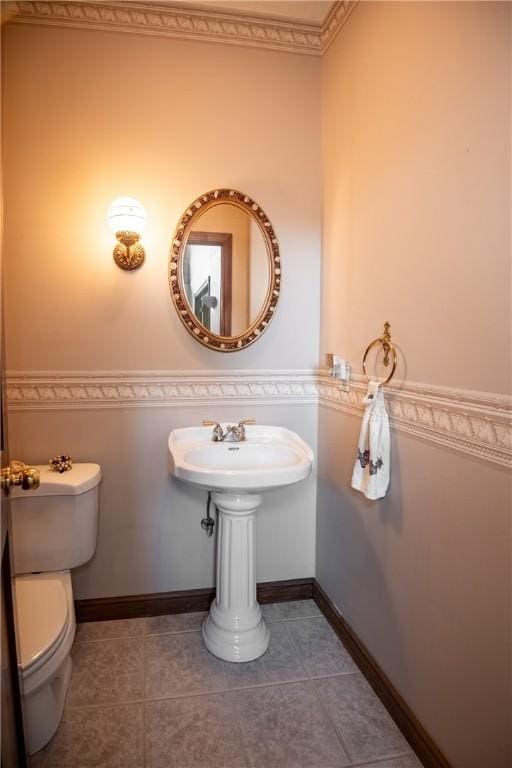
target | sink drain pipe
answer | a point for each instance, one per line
(208, 522)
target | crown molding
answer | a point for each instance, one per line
(474, 423)
(148, 18)
(334, 22)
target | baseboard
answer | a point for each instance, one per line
(183, 601)
(428, 752)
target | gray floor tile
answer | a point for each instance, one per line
(109, 672)
(196, 732)
(363, 723)
(278, 665)
(178, 622)
(285, 726)
(296, 609)
(179, 664)
(408, 761)
(103, 630)
(110, 737)
(272, 725)
(319, 648)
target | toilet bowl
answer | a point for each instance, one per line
(46, 630)
(54, 529)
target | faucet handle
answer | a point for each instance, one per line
(241, 427)
(218, 434)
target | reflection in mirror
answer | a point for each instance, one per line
(225, 270)
(207, 279)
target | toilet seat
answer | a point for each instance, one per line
(43, 618)
(51, 648)
(45, 663)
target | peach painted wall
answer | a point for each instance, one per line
(416, 159)
(416, 135)
(92, 115)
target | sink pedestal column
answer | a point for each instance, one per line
(234, 629)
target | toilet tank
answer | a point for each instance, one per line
(55, 526)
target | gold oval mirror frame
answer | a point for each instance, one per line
(177, 263)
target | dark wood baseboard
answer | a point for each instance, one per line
(428, 752)
(184, 601)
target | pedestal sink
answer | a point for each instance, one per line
(237, 473)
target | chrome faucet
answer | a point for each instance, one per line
(234, 433)
(218, 434)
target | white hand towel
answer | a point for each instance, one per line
(371, 469)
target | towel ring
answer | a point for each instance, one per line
(388, 346)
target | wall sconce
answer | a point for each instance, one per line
(127, 219)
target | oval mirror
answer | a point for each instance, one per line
(225, 270)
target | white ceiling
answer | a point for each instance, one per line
(302, 11)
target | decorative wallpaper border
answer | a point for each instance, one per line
(475, 423)
(152, 18)
(119, 389)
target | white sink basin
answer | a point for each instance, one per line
(236, 473)
(269, 457)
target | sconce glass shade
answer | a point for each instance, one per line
(126, 215)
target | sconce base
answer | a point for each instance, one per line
(128, 253)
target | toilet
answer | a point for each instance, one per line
(54, 529)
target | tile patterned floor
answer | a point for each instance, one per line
(145, 693)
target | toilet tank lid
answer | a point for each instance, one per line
(79, 479)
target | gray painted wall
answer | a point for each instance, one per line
(150, 539)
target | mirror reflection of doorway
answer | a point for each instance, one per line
(201, 305)
(207, 279)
